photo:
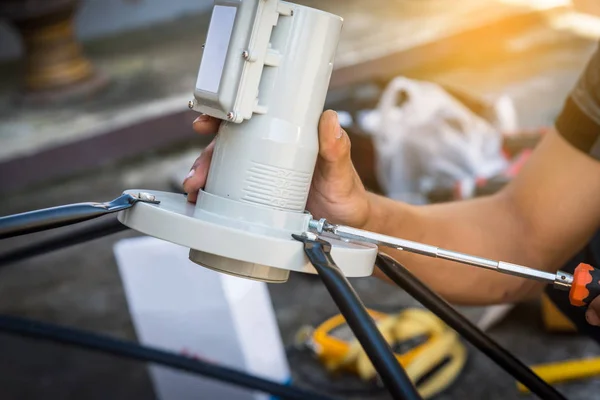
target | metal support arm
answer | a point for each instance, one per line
(378, 350)
(49, 218)
(62, 240)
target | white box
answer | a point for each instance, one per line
(180, 306)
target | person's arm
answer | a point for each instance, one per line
(540, 220)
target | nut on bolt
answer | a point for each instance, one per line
(317, 225)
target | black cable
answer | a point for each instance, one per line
(420, 292)
(103, 228)
(122, 348)
(351, 307)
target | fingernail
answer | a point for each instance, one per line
(592, 317)
(339, 132)
(190, 174)
(201, 118)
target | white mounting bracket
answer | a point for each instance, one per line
(236, 51)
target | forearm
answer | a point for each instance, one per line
(540, 220)
(489, 227)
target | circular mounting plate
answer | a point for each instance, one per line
(176, 220)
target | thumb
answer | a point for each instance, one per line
(334, 148)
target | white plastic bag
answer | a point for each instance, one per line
(430, 139)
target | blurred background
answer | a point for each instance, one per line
(443, 101)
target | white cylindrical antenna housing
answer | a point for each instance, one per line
(268, 160)
(265, 72)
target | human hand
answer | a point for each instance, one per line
(336, 191)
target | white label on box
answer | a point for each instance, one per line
(215, 48)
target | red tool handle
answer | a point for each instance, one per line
(586, 285)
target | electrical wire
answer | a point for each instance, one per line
(70, 238)
(420, 292)
(95, 342)
(356, 315)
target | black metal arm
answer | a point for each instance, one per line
(49, 218)
(420, 292)
(64, 239)
(378, 350)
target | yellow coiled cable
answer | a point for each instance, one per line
(442, 343)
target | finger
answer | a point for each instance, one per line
(196, 178)
(334, 147)
(592, 315)
(205, 124)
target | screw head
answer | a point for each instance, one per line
(245, 54)
(203, 45)
(191, 104)
(230, 115)
(292, 13)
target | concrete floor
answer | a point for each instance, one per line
(80, 286)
